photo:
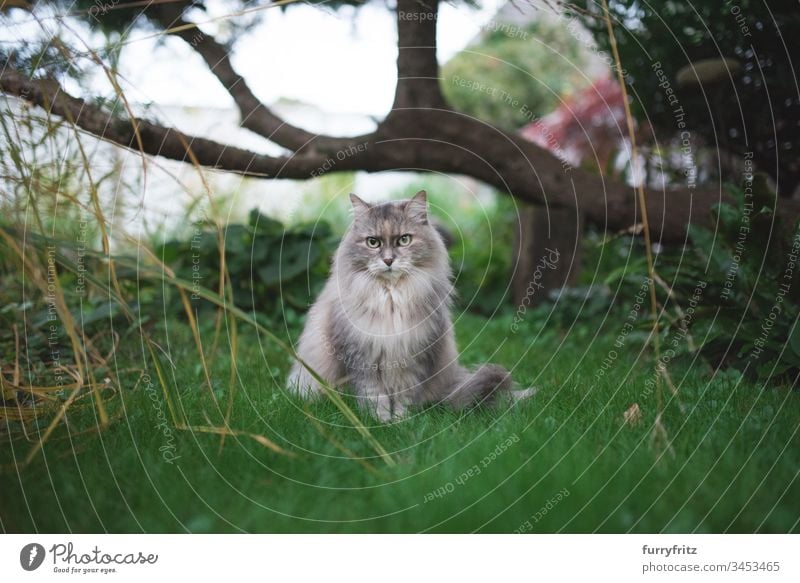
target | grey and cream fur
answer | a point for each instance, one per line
(382, 322)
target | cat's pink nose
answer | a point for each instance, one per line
(388, 260)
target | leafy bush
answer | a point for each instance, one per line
(274, 269)
(732, 294)
(750, 314)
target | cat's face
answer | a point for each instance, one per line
(391, 239)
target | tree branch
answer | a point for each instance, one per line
(417, 65)
(256, 116)
(421, 139)
(156, 140)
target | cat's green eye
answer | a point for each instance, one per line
(404, 240)
(373, 242)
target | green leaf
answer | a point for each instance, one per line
(289, 260)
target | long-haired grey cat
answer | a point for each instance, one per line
(382, 322)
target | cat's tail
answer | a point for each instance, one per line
(479, 387)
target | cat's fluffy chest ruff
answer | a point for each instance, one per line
(391, 322)
(394, 306)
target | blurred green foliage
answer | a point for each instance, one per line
(731, 294)
(514, 74)
(751, 307)
(754, 109)
(274, 269)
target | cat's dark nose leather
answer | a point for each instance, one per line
(388, 260)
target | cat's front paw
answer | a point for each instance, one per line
(384, 415)
(302, 384)
(381, 406)
(398, 411)
(385, 409)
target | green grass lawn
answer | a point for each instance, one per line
(563, 461)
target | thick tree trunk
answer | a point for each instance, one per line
(548, 246)
(417, 66)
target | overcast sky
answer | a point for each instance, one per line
(340, 61)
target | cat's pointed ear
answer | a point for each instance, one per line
(417, 207)
(359, 206)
